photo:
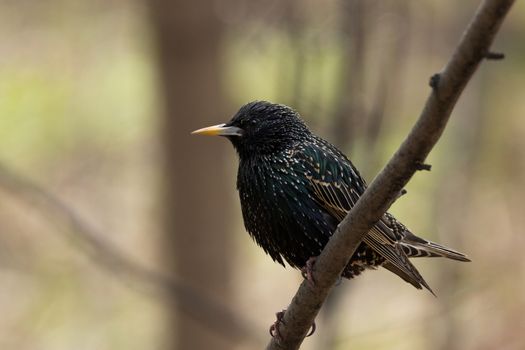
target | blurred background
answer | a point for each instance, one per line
(120, 231)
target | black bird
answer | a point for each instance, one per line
(295, 188)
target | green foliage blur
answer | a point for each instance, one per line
(80, 116)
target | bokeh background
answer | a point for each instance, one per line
(120, 231)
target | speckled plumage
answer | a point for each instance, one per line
(295, 188)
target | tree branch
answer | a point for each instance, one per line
(193, 303)
(471, 50)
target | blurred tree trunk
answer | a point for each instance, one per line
(350, 112)
(197, 243)
(353, 122)
(454, 201)
(346, 126)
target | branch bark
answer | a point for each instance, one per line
(471, 50)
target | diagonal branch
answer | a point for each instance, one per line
(193, 303)
(447, 87)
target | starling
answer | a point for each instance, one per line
(295, 188)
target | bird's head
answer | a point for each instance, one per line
(260, 128)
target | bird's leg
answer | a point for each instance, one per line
(308, 271)
(274, 328)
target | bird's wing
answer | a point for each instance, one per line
(337, 185)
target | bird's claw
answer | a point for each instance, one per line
(308, 271)
(274, 328)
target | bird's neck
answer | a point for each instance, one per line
(263, 149)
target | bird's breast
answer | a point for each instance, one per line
(280, 212)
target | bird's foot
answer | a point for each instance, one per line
(308, 271)
(274, 328)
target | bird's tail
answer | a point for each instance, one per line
(413, 276)
(414, 247)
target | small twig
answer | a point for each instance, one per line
(401, 194)
(494, 55)
(434, 81)
(423, 166)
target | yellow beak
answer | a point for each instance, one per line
(219, 130)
